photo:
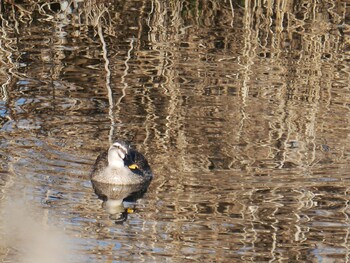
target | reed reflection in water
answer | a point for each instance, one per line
(241, 109)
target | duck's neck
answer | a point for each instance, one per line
(114, 160)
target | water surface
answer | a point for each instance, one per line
(241, 109)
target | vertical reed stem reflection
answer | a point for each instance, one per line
(125, 73)
(108, 83)
(4, 89)
(233, 12)
(126, 70)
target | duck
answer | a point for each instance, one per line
(121, 164)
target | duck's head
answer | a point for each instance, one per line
(121, 154)
(117, 154)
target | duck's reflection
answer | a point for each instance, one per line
(114, 198)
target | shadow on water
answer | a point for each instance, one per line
(241, 108)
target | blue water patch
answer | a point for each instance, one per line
(20, 102)
(3, 108)
(23, 82)
(3, 112)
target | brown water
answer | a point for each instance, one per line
(242, 110)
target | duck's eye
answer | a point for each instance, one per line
(133, 166)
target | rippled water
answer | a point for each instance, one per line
(241, 109)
